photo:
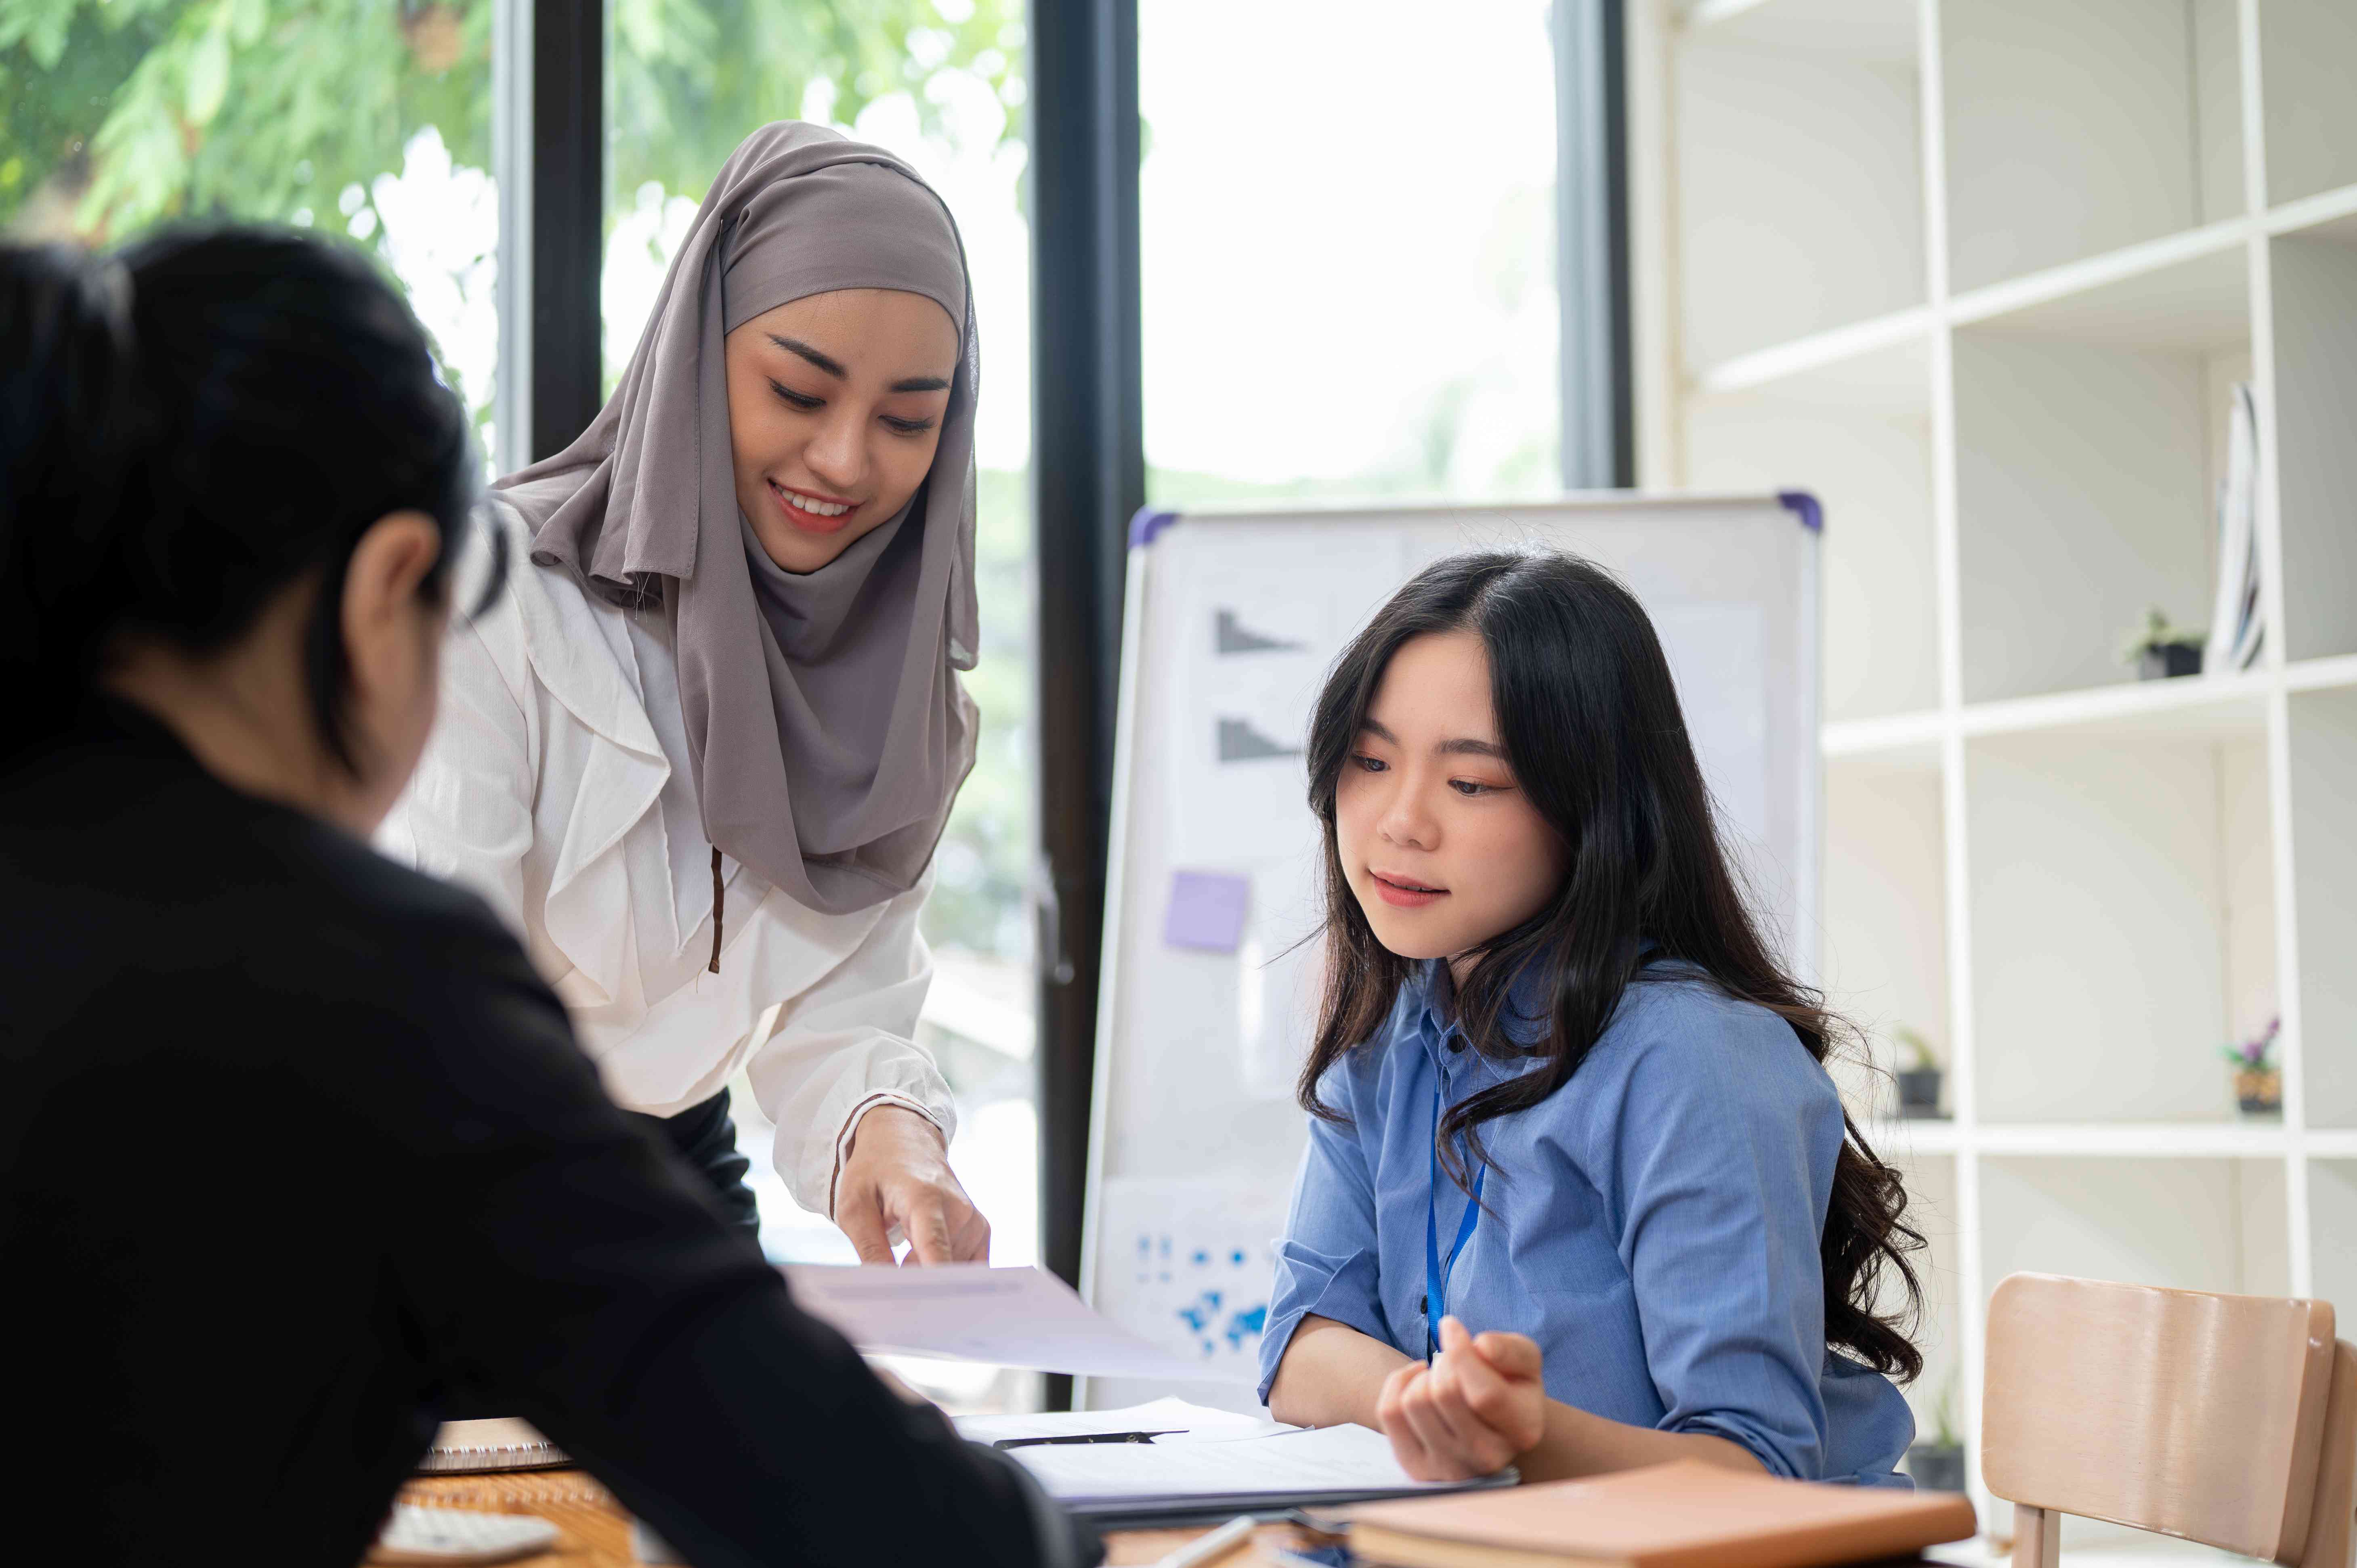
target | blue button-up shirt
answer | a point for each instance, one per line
(1653, 1224)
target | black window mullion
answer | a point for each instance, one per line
(1087, 478)
(569, 217)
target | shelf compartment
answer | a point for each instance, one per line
(2331, 1221)
(2090, 433)
(1886, 935)
(2305, 47)
(1799, 171)
(2185, 1224)
(1856, 434)
(1933, 1210)
(2315, 287)
(2323, 748)
(2081, 128)
(2123, 923)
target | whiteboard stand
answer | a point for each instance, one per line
(1231, 620)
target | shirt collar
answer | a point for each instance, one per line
(1432, 1009)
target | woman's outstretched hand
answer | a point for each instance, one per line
(897, 1175)
(1478, 1405)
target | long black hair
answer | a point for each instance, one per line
(188, 426)
(1589, 718)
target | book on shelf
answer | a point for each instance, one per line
(1686, 1514)
(2237, 629)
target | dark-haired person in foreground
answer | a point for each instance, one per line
(1580, 1195)
(293, 1140)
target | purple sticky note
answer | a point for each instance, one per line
(1206, 911)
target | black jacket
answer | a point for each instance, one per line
(292, 1140)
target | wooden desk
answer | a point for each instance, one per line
(597, 1531)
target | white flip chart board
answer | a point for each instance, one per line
(1204, 1009)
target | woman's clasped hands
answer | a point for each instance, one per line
(1476, 1405)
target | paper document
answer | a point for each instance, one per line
(971, 1312)
(1208, 1473)
(1181, 1420)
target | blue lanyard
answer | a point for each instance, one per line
(1436, 1272)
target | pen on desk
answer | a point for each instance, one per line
(1211, 1548)
(1084, 1437)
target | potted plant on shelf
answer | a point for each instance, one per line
(1919, 1076)
(2160, 651)
(1937, 1464)
(2258, 1083)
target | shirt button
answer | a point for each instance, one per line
(1424, 1304)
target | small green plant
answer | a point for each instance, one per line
(2257, 1054)
(2155, 633)
(1914, 1051)
(1943, 1415)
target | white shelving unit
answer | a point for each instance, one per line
(1981, 275)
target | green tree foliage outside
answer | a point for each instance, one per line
(115, 113)
(688, 78)
(982, 874)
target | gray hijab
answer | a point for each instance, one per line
(828, 728)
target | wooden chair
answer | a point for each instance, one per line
(2229, 1420)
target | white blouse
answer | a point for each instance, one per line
(557, 784)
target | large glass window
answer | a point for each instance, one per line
(937, 81)
(1347, 247)
(367, 119)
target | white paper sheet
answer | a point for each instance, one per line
(1292, 1468)
(1183, 1421)
(971, 1312)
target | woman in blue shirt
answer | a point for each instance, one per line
(1561, 1092)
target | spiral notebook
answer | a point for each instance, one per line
(498, 1444)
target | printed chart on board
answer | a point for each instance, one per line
(1240, 731)
(1189, 1265)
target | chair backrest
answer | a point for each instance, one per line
(2332, 1519)
(2209, 1417)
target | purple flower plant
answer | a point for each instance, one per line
(2254, 1055)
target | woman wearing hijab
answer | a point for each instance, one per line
(702, 758)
